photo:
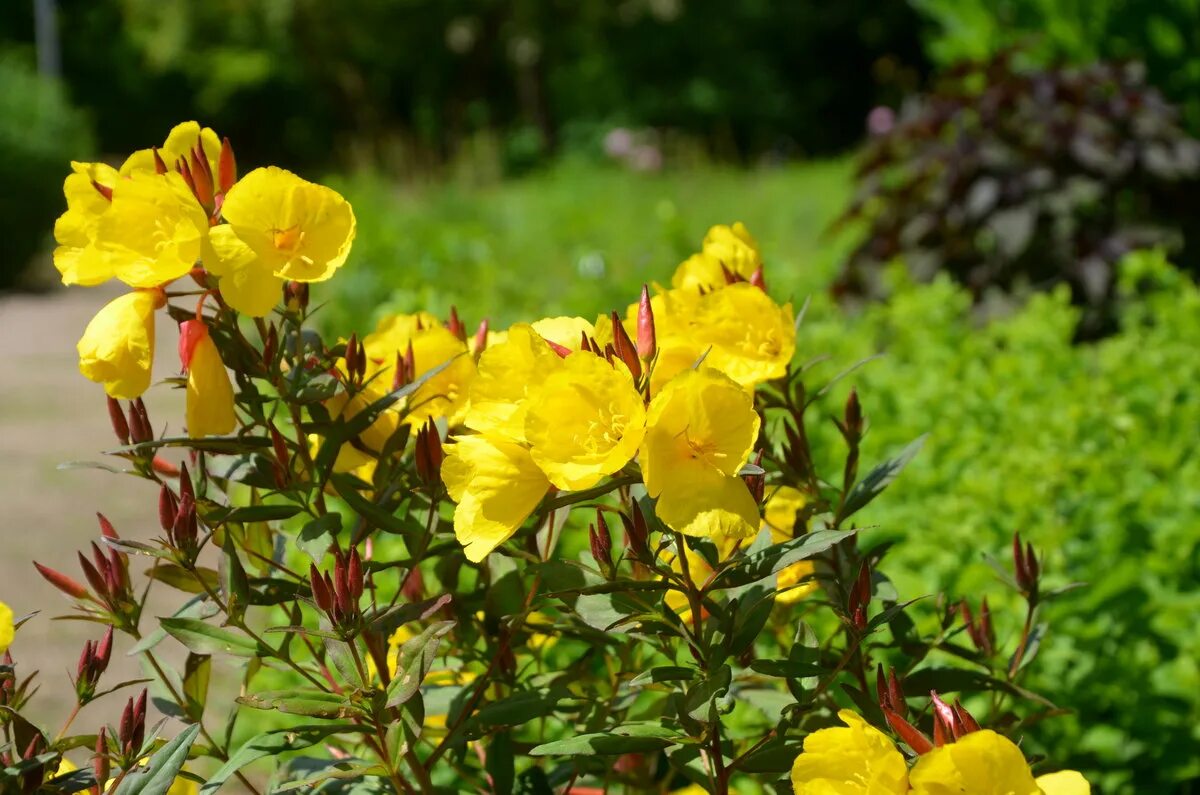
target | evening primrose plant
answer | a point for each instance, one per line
(576, 555)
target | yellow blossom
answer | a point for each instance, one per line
(154, 231)
(496, 485)
(847, 761)
(699, 432)
(77, 258)
(6, 627)
(210, 410)
(117, 347)
(506, 373)
(749, 337)
(729, 248)
(584, 421)
(444, 394)
(779, 517)
(986, 763)
(280, 227)
(179, 144)
(565, 331)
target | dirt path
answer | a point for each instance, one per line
(50, 414)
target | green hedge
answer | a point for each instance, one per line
(1093, 453)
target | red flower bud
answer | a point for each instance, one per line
(320, 591)
(647, 342)
(559, 349)
(103, 190)
(100, 763)
(226, 167)
(454, 325)
(600, 540)
(758, 280)
(354, 576)
(625, 347)
(119, 423)
(160, 166)
(62, 582)
(106, 527)
(481, 335)
(908, 733)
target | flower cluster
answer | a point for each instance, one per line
(861, 759)
(403, 541)
(179, 210)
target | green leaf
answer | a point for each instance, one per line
(601, 745)
(664, 673)
(196, 607)
(159, 773)
(774, 559)
(250, 513)
(273, 743)
(520, 707)
(964, 680)
(500, 765)
(316, 536)
(181, 579)
(203, 638)
(701, 701)
(310, 703)
(787, 669)
(415, 659)
(196, 674)
(878, 479)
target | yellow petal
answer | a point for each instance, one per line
(210, 409)
(298, 229)
(154, 230)
(585, 421)
(848, 761)
(180, 141)
(505, 374)
(245, 284)
(1064, 782)
(700, 501)
(6, 627)
(751, 338)
(565, 331)
(982, 763)
(496, 485)
(117, 347)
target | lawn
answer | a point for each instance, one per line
(572, 238)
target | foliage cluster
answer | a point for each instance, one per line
(1014, 178)
(409, 544)
(1091, 450)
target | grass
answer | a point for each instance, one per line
(574, 239)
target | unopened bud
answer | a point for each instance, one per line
(106, 527)
(455, 326)
(226, 167)
(481, 337)
(320, 591)
(119, 424)
(168, 507)
(296, 296)
(355, 581)
(160, 165)
(62, 582)
(758, 280)
(100, 764)
(202, 177)
(601, 543)
(144, 418)
(351, 357)
(853, 419)
(647, 340)
(562, 351)
(636, 532)
(625, 347)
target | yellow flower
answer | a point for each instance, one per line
(6, 627)
(779, 516)
(986, 763)
(117, 347)
(851, 760)
(730, 246)
(210, 409)
(565, 331)
(496, 485)
(443, 395)
(585, 421)
(77, 258)
(294, 229)
(506, 373)
(750, 338)
(153, 232)
(699, 432)
(1064, 782)
(180, 141)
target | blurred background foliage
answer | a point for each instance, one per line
(522, 157)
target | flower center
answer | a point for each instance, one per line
(287, 239)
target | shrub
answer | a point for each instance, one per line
(39, 131)
(1020, 179)
(1091, 452)
(404, 543)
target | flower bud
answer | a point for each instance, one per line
(62, 582)
(106, 527)
(481, 336)
(355, 581)
(455, 326)
(563, 352)
(351, 356)
(647, 343)
(100, 763)
(168, 507)
(226, 167)
(758, 280)
(296, 296)
(320, 592)
(160, 165)
(202, 177)
(601, 543)
(117, 418)
(625, 347)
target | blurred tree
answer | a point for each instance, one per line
(413, 80)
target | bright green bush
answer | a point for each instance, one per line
(1090, 451)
